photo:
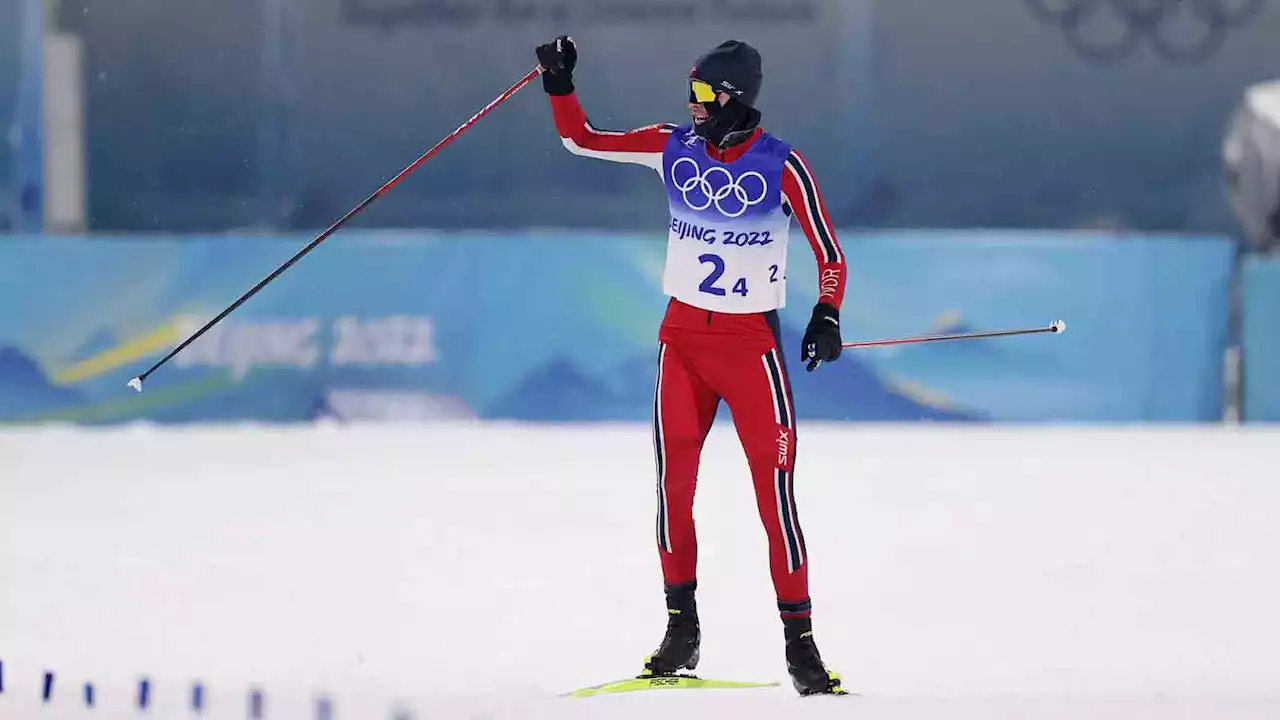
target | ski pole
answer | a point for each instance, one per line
(1057, 326)
(136, 383)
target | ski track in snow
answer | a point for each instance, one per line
(476, 570)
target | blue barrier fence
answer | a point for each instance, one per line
(1261, 283)
(562, 327)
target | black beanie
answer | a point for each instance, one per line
(732, 67)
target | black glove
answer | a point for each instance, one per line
(821, 341)
(557, 59)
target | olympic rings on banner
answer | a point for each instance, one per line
(1181, 31)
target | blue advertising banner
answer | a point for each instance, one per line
(1261, 280)
(562, 327)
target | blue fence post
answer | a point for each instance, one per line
(29, 153)
(1260, 333)
(255, 704)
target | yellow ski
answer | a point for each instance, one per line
(666, 682)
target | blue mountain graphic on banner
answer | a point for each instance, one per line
(945, 361)
(26, 389)
(557, 391)
(849, 389)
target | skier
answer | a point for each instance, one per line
(732, 190)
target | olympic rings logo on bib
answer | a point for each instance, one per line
(717, 186)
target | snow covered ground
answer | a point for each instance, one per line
(475, 571)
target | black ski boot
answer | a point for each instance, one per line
(680, 647)
(808, 673)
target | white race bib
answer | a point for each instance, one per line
(727, 241)
(724, 269)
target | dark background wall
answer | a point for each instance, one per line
(915, 113)
(993, 116)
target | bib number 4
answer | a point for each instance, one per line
(716, 262)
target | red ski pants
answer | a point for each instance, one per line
(705, 357)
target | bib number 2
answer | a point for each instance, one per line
(716, 262)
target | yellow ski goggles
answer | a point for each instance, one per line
(701, 92)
